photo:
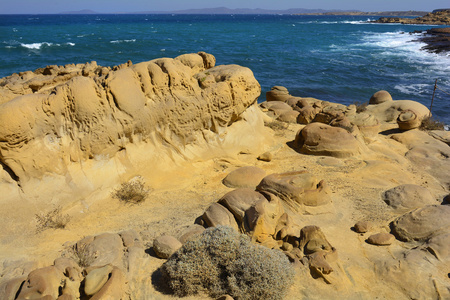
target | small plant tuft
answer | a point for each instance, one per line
(222, 261)
(430, 123)
(52, 219)
(360, 107)
(132, 192)
(82, 254)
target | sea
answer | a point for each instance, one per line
(342, 59)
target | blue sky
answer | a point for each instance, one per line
(108, 6)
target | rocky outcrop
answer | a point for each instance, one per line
(441, 17)
(98, 267)
(437, 39)
(55, 119)
(363, 120)
(422, 223)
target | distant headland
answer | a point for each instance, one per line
(437, 17)
(259, 11)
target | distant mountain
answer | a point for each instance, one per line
(80, 12)
(240, 11)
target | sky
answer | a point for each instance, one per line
(111, 6)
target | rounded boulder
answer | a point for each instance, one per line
(165, 245)
(380, 97)
(278, 93)
(322, 139)
(244, 177)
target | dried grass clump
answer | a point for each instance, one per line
(360, 107)
(222, 261)
(132, 192)
(52, 219)
(430, 123)
(82, 254)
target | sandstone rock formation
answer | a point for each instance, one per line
(98, 267)
(296, 189)
(422, 223)
(380, 97)
(322, 139)
(244, 177)
(78, 114)
(407, 197)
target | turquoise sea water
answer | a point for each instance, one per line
(336, 58)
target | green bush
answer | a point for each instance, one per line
(222, 261)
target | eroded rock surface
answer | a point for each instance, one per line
(322, 139)
(90, 114)
(422, 223)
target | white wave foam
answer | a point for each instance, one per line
(413, 89)
(37, 46)
(357, 22)
(70, 44)
(337, 22)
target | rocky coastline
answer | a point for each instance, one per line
(440, 17)
(437, 39)
(372, 13)
(316, 198)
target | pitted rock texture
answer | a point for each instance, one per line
(86, 114)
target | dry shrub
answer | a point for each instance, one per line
(132, 192)
(82, 254)
(360, 107)
(222, 261)
(430, 123)
(52, 219)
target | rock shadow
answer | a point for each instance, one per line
(293, 146)
(391, 131)
(160, 283)
(150, 251)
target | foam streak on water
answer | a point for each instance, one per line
(335, 58)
